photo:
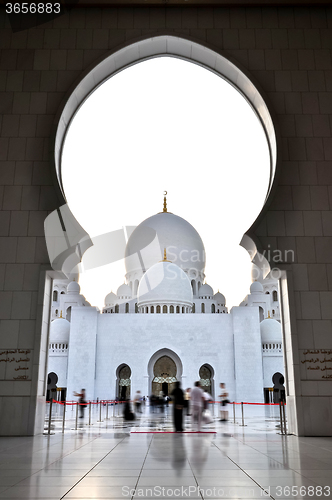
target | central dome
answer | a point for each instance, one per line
(147, 242)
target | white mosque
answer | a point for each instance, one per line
(165, 324)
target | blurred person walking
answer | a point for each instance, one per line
(82, 402)
(178, 405)
(127, 413)
(197, 405)
(223, 401)
(187, 401)
(207, 417)
(138, 401)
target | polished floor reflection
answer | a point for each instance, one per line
(112, 461)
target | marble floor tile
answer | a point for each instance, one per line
(97, 472)
(98, 463)
(97, 492)
(166, 481)
(44, 492)
(108, 481)
(167, 473)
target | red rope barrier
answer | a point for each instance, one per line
(246, 403)
(114, 402)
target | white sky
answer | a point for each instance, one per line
(167, 124)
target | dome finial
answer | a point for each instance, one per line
(165, 203)
(61, 314)
(268, 315)
(165, 257)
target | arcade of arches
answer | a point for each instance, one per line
(165, 376)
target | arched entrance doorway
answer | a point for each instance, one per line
(123, 382)
(166, 45)
(167, 362)
(206, 379)
(164, 376)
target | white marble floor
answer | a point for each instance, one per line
(109, 461)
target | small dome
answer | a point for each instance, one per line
(219, 298)
(205, 291)
(110, 299)
(256, 287)
(73, 288)
(59, 331)
(270, 331)
(165, 283)
(124, 291)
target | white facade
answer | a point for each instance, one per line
(164, 310)
(265, 295)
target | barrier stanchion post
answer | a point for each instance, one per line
(76, 417)
(50, 417)
(107, 410)
(234, 412)
(242, 411)
(64, 417)
(89, 412)
(281, 422)
(113, 409)
(284, 417)
(100, 412)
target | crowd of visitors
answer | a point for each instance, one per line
(193, 402)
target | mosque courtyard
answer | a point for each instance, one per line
(113, 459)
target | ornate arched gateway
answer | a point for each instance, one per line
(123, 382)
(137, 52)
(206, 374)
(164, 376)
(164, 369)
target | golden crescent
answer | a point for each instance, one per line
(165, 193)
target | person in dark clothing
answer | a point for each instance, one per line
(178, 404)
(127, 413)
(82, 402)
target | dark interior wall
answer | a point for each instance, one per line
(287, 53)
